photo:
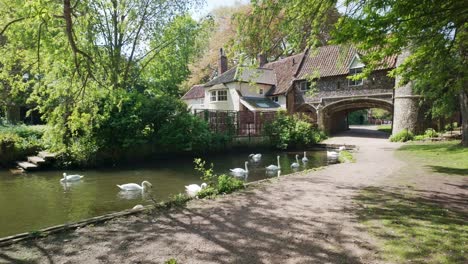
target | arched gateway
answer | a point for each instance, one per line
(323, 84)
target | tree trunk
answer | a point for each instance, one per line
(464, 115)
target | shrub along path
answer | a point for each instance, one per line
(315, 217)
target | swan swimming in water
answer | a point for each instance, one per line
(295, 165)
(342, 148)
(193, 189)
(134, 186)
(274, 167)
(69, 178)
(255, 157)
(305, 159)
(240, 171)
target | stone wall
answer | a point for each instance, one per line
(338, 86)
(407, 113)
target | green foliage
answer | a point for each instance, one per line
(102, 82)
(228, 184)
(430, 132)
(358, 117)
(275, 28)
(292, 131)
(19, 141)
(346, 156)
(381, 114)
(208, 176)
(171, 261)
(217, 184)
(435, 35)
(402, 136)
(385, 128)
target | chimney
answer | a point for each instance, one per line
(262, 60)
(222, 62)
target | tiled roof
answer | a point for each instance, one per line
(227, 76)
(284, 70)
(197, 91)
(245, 74)
(333, 60)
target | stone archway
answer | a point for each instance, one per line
(307, 110)
(332, 117)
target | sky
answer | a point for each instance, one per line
(213, 4)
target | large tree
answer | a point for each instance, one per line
(278, 28)
(435, 32)
(82, 57)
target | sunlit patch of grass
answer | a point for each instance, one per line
(413, 229)
(385, 128)
(346, 156)
(444, 157)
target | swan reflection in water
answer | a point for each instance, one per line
(67, 186)
(132, 195)
(273, 173)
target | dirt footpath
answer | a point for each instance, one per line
(302, 218)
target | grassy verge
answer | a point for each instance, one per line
(444, 157)
(346, 156)
(385, 128)
(412, 229)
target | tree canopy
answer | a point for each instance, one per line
(435, 32)
(86, 61)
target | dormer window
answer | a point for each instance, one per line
(352, 72)
(303, 86)
(355, 67)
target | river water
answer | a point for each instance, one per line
(37, 200)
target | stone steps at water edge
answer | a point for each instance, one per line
(33, 162)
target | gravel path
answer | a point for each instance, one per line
(301, 218)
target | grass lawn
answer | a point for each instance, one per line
(415, 228)
(385, 128)
(412, 229)
(445, 157)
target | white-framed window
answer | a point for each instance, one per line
(260, 91)
(222, 95)
(352, 72)
(303, 86)
(219, 95)
(274, 98)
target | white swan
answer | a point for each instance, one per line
(295, 164)
(134, 186)
(332, 154)
(305, 159)
(255, 157)
(274, 167)
(193, 189)
(138, 207)
(240, 171)
(69, 178)
(342, 148)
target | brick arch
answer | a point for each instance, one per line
(308, 110)
(356, 104)
(334, 114)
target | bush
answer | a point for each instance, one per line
(402, 136)
(217, 184)
(228, 184)
(18, 141)
(430, 132)
(287, 131)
